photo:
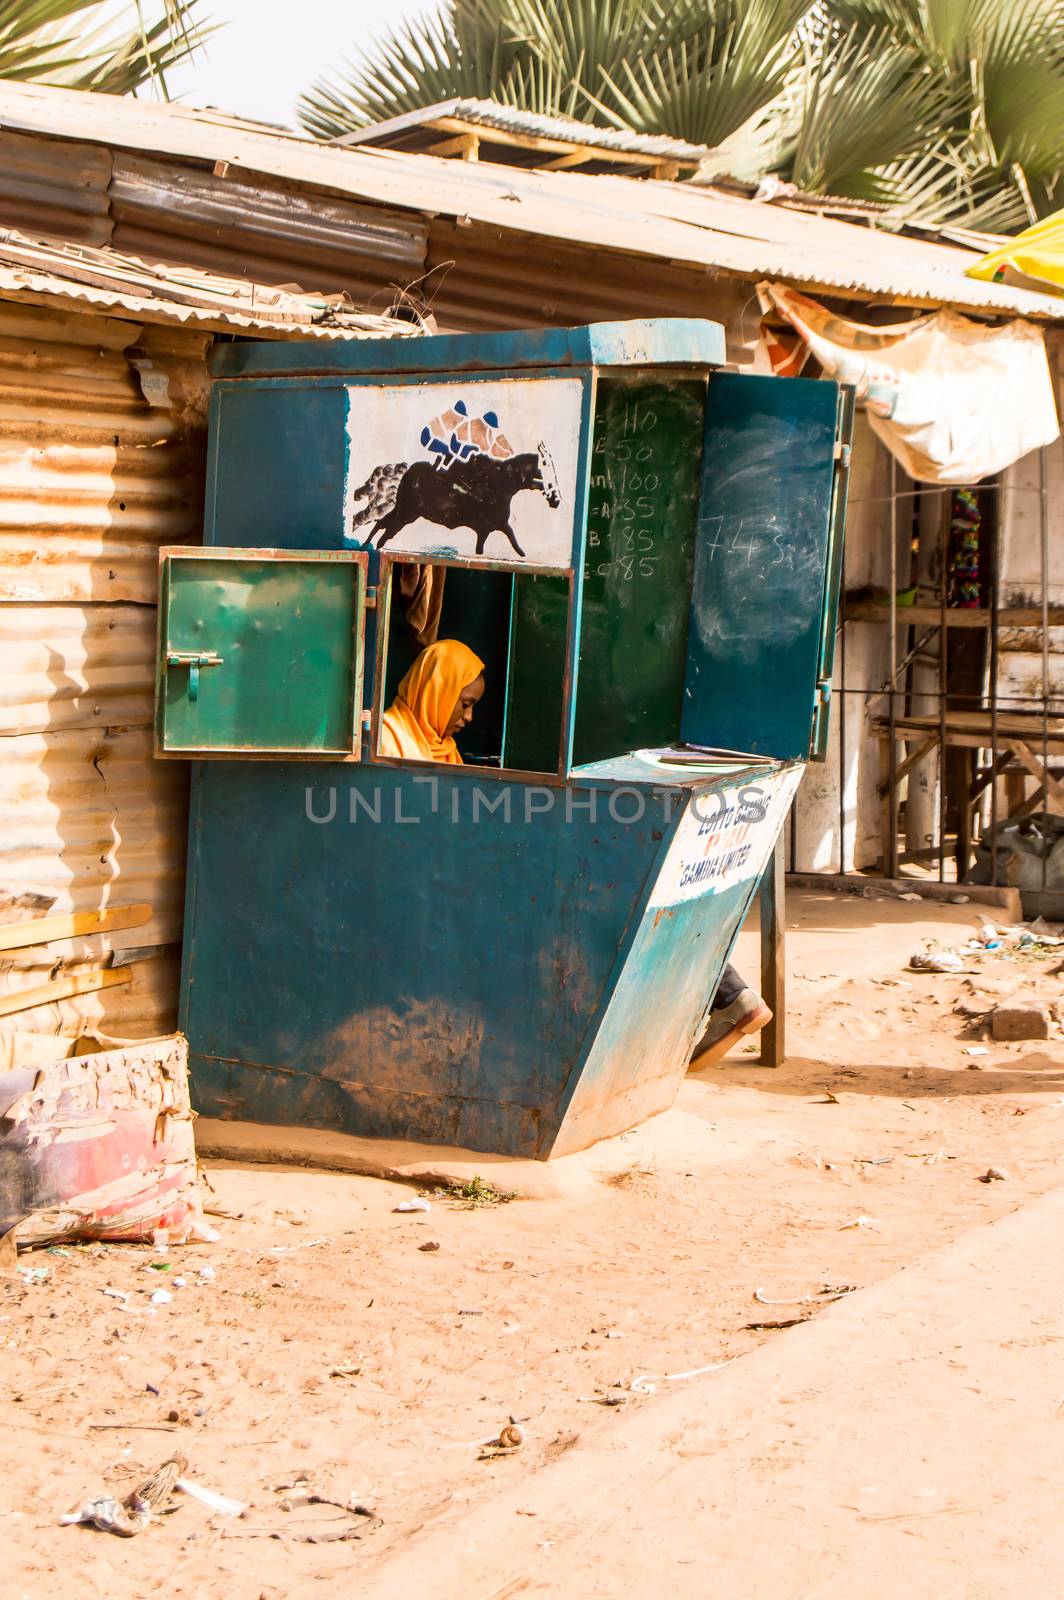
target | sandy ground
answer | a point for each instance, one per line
(906, 1442)
(329, 1350)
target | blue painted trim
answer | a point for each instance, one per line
(211, 484)
(188, 943)
(651, 342)
(624, 950)
(576, 591)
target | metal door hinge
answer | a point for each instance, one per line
(371, 598)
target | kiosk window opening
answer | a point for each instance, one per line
(439, 622)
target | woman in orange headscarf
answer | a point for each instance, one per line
(435, 701)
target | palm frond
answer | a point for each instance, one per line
(866, 102)
(711, 81)
(82, 44)
(952, 107)
(464, 51)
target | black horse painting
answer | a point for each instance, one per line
(474, 494)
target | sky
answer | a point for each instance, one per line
(270, 50)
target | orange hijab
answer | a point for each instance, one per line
(413, 727)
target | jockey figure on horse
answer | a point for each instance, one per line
(455, 436)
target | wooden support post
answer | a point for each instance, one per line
(772, 905)
(964, 814)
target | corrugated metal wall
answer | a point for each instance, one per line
(181, 212)
(262, 229)
(55, 189)
(482, 280)
(93, 480)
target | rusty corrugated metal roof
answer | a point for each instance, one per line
(251, 226)
(103, 280)
(670, 222)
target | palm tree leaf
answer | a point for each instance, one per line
(707, 84)
(82, 44)
(866, 102)
(466, 51)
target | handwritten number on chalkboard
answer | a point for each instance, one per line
(750, 546)
(630, 501)
(786, 553)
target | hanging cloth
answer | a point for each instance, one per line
(952, 399)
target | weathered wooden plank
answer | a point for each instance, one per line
(71, 925)
(63, 989)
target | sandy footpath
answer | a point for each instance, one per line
(330, 1352)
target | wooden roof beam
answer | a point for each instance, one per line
(487, 134)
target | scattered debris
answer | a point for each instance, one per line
(912, 1516)
(161, 1297)
(936, 957)
(413, 1205)
(307, 1520)
(346, 1370)
(135, 1427)
(784, 1322)
(828, 1100)
(207, 1274)
(219, 1503)
(476, 1193)
(860, 1222)
(646, 1382)
(828, 1292)
(430, 1244)
(131, 1515)
(306, 1244)
(976, 1050)
(993, 1175)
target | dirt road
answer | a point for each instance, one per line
(330, 1350)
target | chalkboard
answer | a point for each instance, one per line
(761, 566)
(638, 565)
(644, 474)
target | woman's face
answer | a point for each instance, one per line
(462, 715)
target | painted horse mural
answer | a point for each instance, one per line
(475, 493)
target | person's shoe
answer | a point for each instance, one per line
(747, 1013)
